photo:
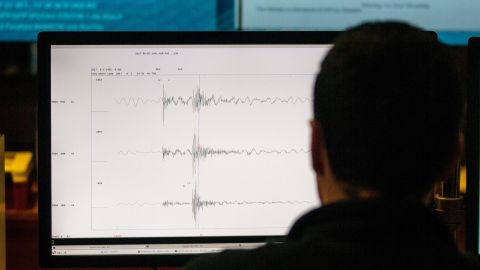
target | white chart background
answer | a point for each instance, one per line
(181, 141)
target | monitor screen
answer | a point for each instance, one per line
(454, 22)
(161, 146)
(22, 20)
(473, 148)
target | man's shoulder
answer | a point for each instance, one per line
(267, 257)
(294, 256)
(373, 235)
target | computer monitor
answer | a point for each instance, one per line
(21, 21)
(154, 147)
(473, 147)
(454, 22)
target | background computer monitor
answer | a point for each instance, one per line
(22, 20)
(473, 147)
(154, 147)
(454, 22)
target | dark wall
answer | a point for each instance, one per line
(17, 111)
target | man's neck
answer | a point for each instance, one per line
(332, 191)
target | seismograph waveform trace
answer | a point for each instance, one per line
(198, 204)
(198, 152)
(200, 99)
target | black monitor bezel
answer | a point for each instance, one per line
(45, 40)
(473, 147)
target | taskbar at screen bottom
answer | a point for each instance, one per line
(150, 249)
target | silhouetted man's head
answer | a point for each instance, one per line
(389, 106)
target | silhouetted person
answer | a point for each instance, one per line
(388, 109)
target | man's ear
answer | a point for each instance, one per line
(317, 146)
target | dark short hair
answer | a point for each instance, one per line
(390, 105)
